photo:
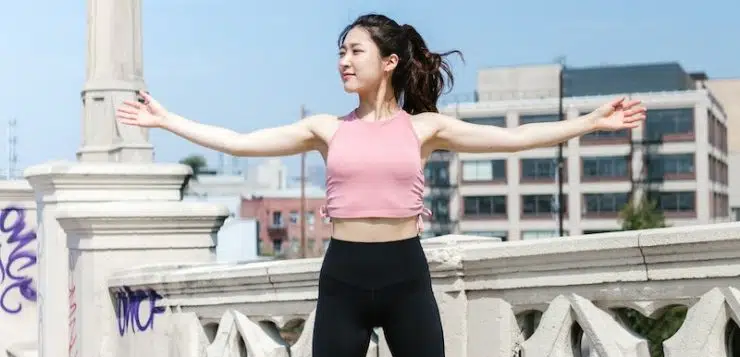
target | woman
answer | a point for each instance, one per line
(375, 272)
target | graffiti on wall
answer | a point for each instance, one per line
(16, 260)
(72, 319)
(137, 309)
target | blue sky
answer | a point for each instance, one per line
(248, 65)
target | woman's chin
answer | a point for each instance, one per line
(349, 88)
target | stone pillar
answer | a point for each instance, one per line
(464, 319)
(59, 184)
(114, 73)
(107, 237)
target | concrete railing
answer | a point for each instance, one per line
(125, 268)
(549, 297)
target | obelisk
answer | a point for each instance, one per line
(114, 73)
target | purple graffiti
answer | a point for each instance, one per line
(129, 306)
(18, 260)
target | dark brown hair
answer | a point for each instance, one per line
(418, 80)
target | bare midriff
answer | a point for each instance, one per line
(374, 229)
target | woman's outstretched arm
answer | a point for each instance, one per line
(278, 141)
(456, 135)
(284, 140)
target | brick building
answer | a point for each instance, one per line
(279, 226)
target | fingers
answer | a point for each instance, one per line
(634, 115)
(127, 116)
(624, 104)
(132, 104)
(124, 115)
(631, 104)
(128, 121)
(145, 95)
(634, 119)
(617, 102)
(635, 111)
(127, 110)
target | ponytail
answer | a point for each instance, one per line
(419, 82)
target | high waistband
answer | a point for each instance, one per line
(375, 265)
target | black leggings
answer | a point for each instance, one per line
(367, 285)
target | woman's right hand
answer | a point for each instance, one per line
(149, 114)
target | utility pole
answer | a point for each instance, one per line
(303, 195)
(561, 117)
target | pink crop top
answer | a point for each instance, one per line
(373, 169)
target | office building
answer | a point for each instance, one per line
(679, 157)
(727, 92)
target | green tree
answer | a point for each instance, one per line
(196, 162)
(644, 214)
(654, 330)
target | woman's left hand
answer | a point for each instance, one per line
(619, 114)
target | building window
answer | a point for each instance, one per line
(675, 202)
(293, 217)
(484, 205)
(669, 124)
(539, 169)
(542, 205)
(494, 121)
(277, 219)
(604, 203)
(605, 167)
(717, 132)
(527, 119)
(277, 246)
(720, 205)
(718, 171)
(484, 170)
(437, 173)
(440, 207)
(310, 218)
(670, 166)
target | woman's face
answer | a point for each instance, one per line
(361, 65)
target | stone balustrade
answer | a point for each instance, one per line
(549, 297)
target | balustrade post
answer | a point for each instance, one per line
(106, 237)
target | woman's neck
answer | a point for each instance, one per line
(379, 105)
